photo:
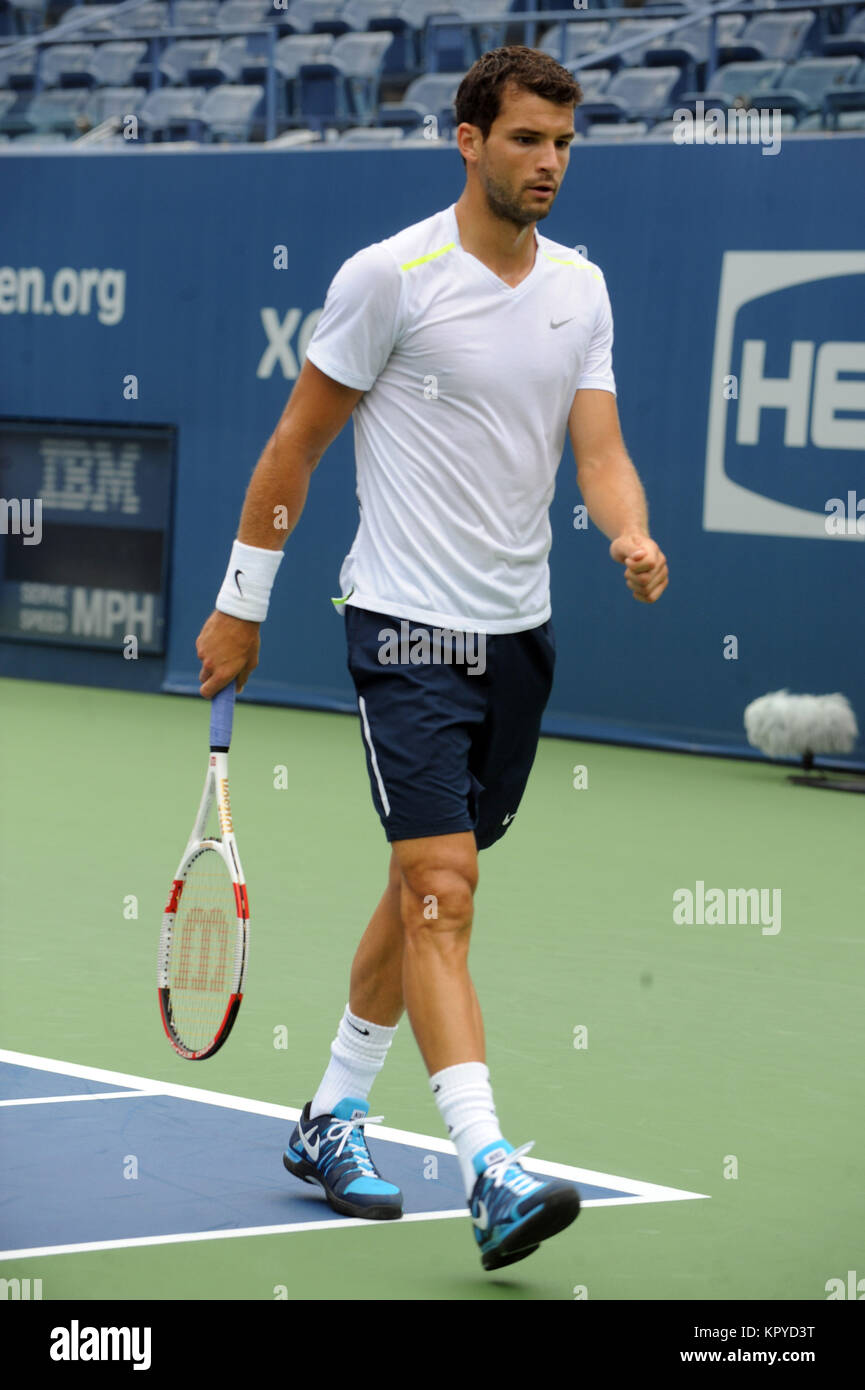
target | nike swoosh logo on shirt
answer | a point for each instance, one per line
(562, 321)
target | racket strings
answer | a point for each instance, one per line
(206, 951)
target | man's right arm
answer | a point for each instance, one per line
(316, 411)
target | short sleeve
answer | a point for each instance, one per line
(597, 373)
(356, 332)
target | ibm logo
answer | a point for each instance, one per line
(85, 476)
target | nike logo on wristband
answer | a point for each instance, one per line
(237, 582)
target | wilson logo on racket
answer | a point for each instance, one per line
(204, 942)
(224, 807)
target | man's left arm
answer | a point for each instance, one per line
(613, 493)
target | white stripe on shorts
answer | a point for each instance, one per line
(368, 736)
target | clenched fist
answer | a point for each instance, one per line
(646, 573)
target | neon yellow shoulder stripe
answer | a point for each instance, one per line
(430, 256)
(579, 261)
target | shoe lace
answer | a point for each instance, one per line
(499, 1168)
(344, 1132)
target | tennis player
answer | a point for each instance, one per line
(464, 346)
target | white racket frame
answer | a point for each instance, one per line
(215, 789)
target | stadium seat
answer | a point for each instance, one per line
(101, 19)
(770, 36)
(316, 16)
(150, 18)
(633, 94)
(851, 42)
(170, 111)
(567, 42)
(346, 84)
(114, 101)
(430, 95)
(690, 46)
(183, 54)
(58, 110)
(243, 59)
(387, 16)
(240, 12)
(114, 63)
(68, 65)
(593, 81)
(16, 70)
(291, 53)
(229, 112)
(804, 87)
(733, 84)
(358, 13)
(628, 29)
(448, 46)
(195, 14)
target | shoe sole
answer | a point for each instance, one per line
(301, 1170)
(559, 1210)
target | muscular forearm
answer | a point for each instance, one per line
(614, 497)
(276, 495)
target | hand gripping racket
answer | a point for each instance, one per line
(204, 942)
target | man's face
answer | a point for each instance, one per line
(522, 162)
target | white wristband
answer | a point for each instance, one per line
(245, 591)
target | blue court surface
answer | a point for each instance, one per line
(96, 1160)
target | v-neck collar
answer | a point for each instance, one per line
(513, 291)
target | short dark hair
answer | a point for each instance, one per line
(478, 99)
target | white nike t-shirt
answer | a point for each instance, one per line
(469, 384)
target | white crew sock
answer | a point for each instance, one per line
(465, 1100)
(357, 1055)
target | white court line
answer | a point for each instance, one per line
(651, 1192)
(642, 1192)
(90, 1095)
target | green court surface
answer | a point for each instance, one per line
(711, 1049)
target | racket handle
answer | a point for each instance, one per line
(221, 718)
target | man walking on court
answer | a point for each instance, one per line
(465, 346)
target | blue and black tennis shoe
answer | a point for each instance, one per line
(512, 1211)
(331, 1150)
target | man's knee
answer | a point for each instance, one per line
(439, 878)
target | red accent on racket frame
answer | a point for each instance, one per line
(176, 890)
(242, 901)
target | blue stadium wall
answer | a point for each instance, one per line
(726, 268)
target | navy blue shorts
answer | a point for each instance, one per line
(450, 737)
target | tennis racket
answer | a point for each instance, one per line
(204, 942)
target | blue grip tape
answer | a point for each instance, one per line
(222, 716)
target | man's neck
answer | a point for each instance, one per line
(503, 247)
